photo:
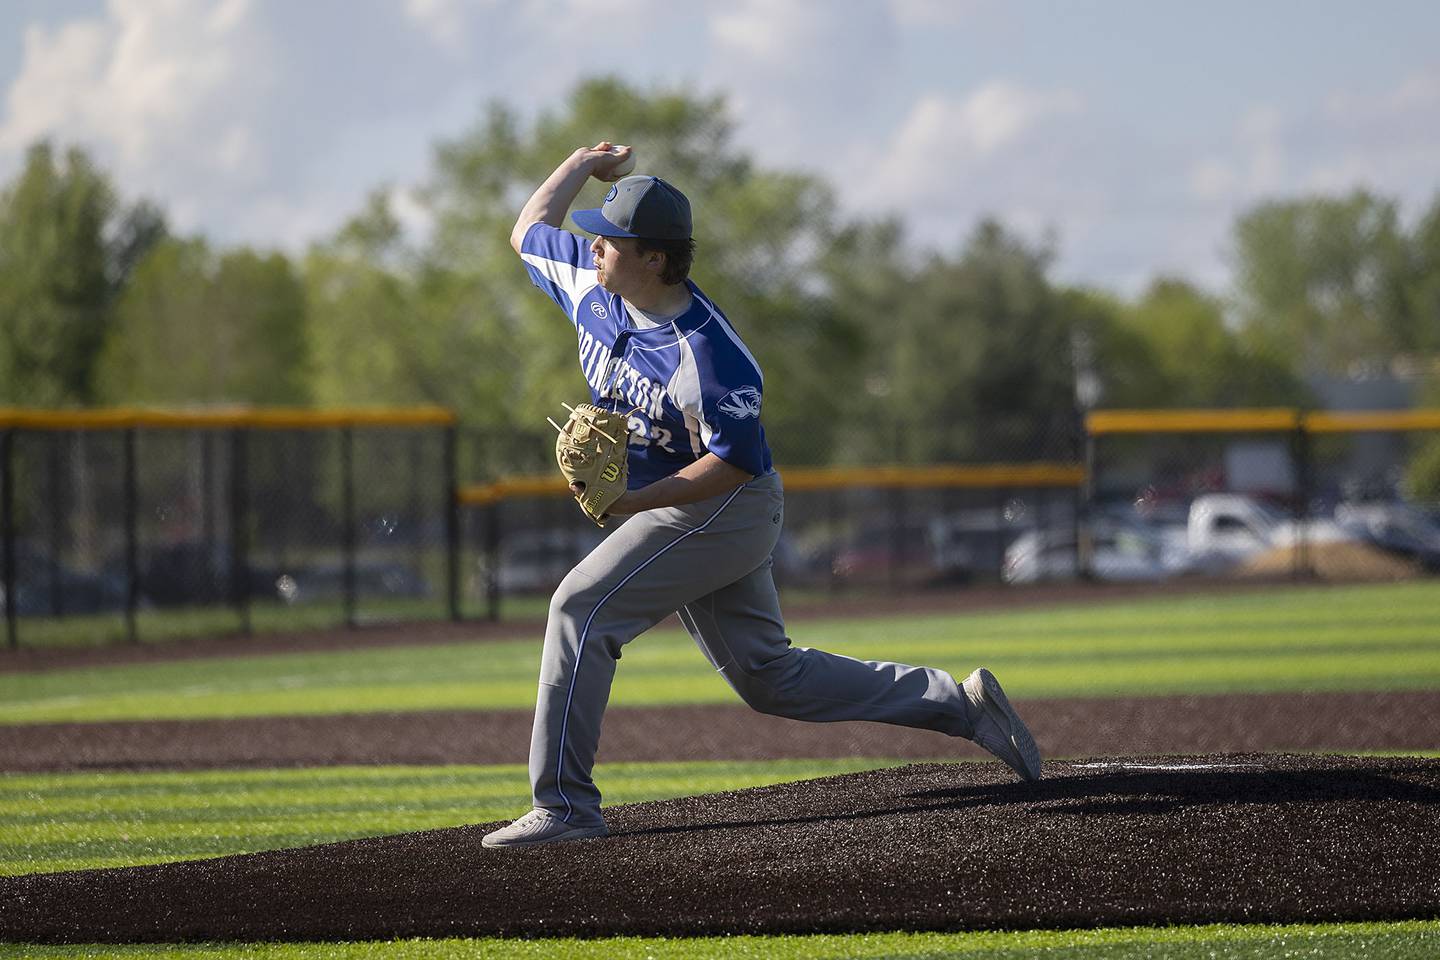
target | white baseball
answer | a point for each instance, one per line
(623, 168)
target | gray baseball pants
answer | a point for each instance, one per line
(710, 563)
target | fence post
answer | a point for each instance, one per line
(1300, 451)
(7, 533)
(347, 508)
(1084, 504)
(492, 561)
(132, 551)
(239, 529)
(207, 513)
(832, 518)
(897, 537)
(452, 523)
(1003, 495)
(56, 485)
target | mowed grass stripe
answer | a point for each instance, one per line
(1401, 940)
(1385, 637)
(71, 821)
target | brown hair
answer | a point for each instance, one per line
(679, 256)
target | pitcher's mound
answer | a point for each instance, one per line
(1236, 838)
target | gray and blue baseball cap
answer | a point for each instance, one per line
(639, 207)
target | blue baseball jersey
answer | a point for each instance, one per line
(697, 388)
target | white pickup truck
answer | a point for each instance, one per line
(1224, 528)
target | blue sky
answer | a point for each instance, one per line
(1134, 132)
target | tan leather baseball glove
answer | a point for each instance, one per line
(593, 452)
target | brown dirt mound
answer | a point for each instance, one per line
(1346, 722)
(1353, 562)
(1220, 838)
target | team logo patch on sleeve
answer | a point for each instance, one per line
(742, 403)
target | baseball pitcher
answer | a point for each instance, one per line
(671, 439)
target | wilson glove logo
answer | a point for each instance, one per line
(742, 403)
(610, 473)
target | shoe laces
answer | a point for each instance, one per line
(530, 819)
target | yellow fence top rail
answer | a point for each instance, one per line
(273, 418)
(480, 495)
(973, 476)
(1192, 421)
(1373, 420)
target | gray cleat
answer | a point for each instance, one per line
(998, 728)
(538, 827)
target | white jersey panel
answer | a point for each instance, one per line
(557, 267)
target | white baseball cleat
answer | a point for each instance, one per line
(998, 728)
(538, 827)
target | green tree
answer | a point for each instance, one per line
(1324, 281)
(979, 356)
(1173, 348)
(1423, 285)
(67, 247)
(361, 305)
(199, 327)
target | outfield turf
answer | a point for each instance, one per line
(1412, 940)
(1363, 637)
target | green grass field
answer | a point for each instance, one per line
(1381, 637)
(1416, 940)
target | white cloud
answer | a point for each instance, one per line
(944, 138)
(444, 21)
(938, 13)
(162, 90)
(803, 86)
(60, 69)
(234, 115)
(1386, 141)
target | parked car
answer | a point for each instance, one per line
(1226, 528)
(189, 572)
(535, 561)
(1395, 527)
(1119, 552)
(305, 584)
(45, 586)
(916, 552)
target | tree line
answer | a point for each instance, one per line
(862, 338)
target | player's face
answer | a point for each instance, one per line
(620, 266)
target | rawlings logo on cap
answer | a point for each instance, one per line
(742, 403)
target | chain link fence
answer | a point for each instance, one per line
(126, 527)
(144, 526)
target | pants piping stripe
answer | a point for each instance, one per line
(585, 632)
